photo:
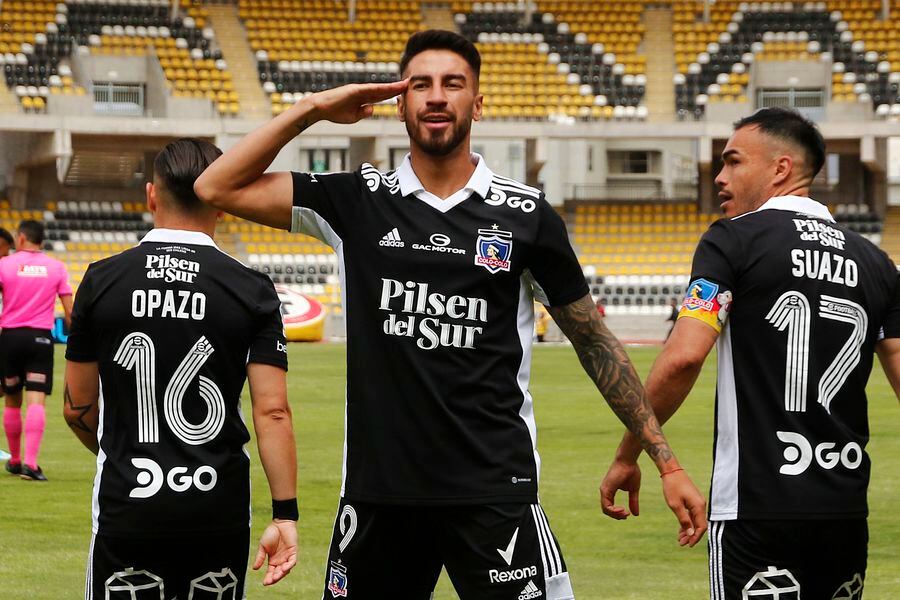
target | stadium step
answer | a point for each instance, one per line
(438, 15)
(8, 101)
(659, 47)
(236, 51)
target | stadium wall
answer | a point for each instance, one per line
(555, 155)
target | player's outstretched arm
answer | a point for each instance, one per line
(889, 355)
(605, 361)
(671, 378)
(237, 183)
(81, 402)
(275, 438)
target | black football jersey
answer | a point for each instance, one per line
(800, 302)
(439, 298)
(172, 324)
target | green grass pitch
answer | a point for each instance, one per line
(45, 531)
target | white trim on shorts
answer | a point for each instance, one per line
(716, 578)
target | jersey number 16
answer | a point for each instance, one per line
(137, 353)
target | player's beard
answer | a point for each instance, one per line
(439, 143)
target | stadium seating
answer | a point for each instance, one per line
(637, 256)
(38, 38)
(544, 66)
(638, 238)
(713, 58)
(309, 46)
(33, 46)
(534, 67)
(859, 218)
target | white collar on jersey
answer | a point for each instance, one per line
(800, 204)
(179, 236)
(479, 183)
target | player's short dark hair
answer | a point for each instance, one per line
(32, 230)
(7, 237)
(789, 125)
(441, 39)
(178, 166)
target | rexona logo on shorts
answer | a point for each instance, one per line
(497, 576)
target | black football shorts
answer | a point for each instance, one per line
(490, 552)
(196, 567)
(787, 560)
(26, 360)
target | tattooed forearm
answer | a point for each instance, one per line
(75, 415)
(609, 367)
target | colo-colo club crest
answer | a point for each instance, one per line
(493, 249)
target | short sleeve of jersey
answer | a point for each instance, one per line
(709, 294)
(553, 263)
(269, 345)
(891, 326)
(80, 346)
(321, 203)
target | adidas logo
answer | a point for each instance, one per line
(530, 591)
(392, 239)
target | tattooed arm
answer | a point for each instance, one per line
(606, 363)
(237, 182)
(609, 367)
(81, 402)
(673, 374)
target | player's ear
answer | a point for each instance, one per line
(784, 168)
(150, 191)
(401, 106)
(477, 111)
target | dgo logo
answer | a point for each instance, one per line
(150, 479)
(800, 454)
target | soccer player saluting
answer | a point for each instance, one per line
(31, 282)
(798, 305)
(440, 261)
(163, 337)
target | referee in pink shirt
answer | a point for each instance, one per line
(30, 281)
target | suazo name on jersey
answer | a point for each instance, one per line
(426, 307)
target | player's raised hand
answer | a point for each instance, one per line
(688, 504)
(279, 543)
(353, 102)
(626, 476)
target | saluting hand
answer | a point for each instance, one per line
(279, 543)
(353, 102)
